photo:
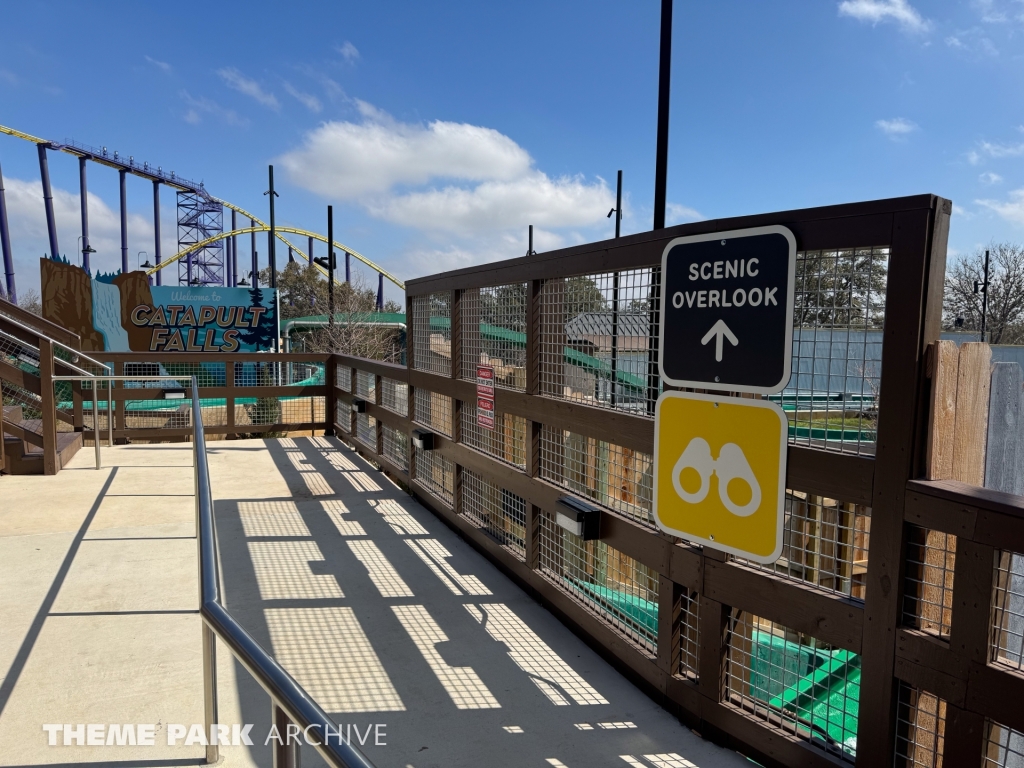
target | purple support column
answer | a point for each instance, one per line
(309, 251)
(124, 221)
(51, 223)
(348, 271)
(229, 272)
(156, 228)
(234, 246)
(5, 245)
(380, 291)
(255, 257)
(83, 195)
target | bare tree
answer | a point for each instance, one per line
(359, 330)
(1005, 322)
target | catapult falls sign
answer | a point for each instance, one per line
(124, 313)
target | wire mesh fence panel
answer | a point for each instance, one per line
(396, 447)
(434, 410)
(501, 513)
(437, 473)
(1004, 746)
(1008, 610)
(506, 442)
(494, 333)
(618, 478)
(366, 430)
(432, 333)
(928, 593)
(343, 377)
(825, 544)
(614, 586)
(597, 337)
(689, 634)
(920, 728)
(21, 406)
(793, 682)
(839, 316)
(366, 386)
(394, 395)
(343, 416)
(276, 374)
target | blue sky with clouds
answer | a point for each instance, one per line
(439, 131)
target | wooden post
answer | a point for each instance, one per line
(49, 407)
(1004, 455)
(229, 399)
(670, 597)
(330, 398)
(944, 358)
(972, 392)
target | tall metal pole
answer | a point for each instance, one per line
(615, 295)
(156, 229)
(124, 221)
(255, 258)
(273, 233)
(309, 250)
(5, 245)
(664, 76)
(660, 194)
(51, 223)
(83, 195)
(984, 300)
(380, 291)
(330, 269)
(348, 270)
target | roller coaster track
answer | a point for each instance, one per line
(147, 171)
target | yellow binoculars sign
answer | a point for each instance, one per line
(720, 472)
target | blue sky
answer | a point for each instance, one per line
(439, 131)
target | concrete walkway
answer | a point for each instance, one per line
(388, 619)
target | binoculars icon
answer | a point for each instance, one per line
(730, 464)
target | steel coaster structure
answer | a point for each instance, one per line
(207, 255)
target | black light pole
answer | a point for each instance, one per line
(617, 210)
(529, 246)
(328, 262)
(660, 193)
(664, 75)
(982, 285)
(330, 268)
(273, 231)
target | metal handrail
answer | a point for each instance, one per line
(76, 353)
(22, 343)
(289, 699)
(94, 378)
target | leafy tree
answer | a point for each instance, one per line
(841, 288)
(303, 292)
(30, 301)
(1005, 322)
(583, 294)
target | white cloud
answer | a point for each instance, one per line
(1012, 209)
(308, 100)
(239, 82)
(680, 214)
(348, 51)
(495, 205)
(197, 107)
(161, 65)
(990, 178)
(874, 11)
(350, 160)
(963, 212)
(470, 189)
(897, 128)
(973, 157)
(1002, 150)
(954, 42)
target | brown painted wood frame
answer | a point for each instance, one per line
(915, 230)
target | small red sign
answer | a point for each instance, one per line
(485, 396)
(485, 381)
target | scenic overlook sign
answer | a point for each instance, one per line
(727, 318)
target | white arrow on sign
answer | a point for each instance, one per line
(719, 331)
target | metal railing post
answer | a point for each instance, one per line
(210, 690)
(110, 414)
(286, 752)
(96, 434)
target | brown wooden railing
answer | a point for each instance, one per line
(849, 584)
